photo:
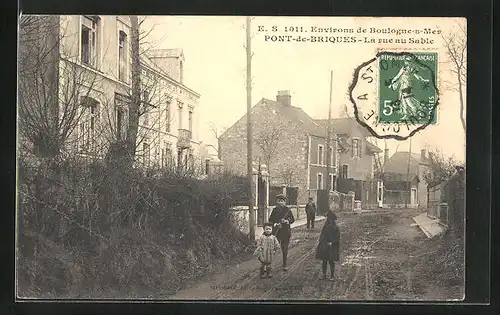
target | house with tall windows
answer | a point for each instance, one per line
(289, 142)
(92, 61)
(357, 159)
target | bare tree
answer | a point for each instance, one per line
(442, 167)
(268, 141)
(456, 45)
(217, 132)
(54, 94)
(289, 175)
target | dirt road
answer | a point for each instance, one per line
(380, 252)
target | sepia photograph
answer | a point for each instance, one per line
(241, 158)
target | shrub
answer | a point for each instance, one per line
(94, 228)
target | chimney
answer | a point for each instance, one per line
(284, 98)
(386, 155)
(423, 155)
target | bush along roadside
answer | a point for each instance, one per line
(91, 230)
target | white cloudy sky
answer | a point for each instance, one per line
(216, 62)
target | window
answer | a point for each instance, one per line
(167, 154)
(344, 172)
(120, 124)
(180, 105)
(356, 148)
(190, 120)
(121, 105)
(145, 97)
(207, 166)
(146, 153)
(332, 157)
(167, 116)
(88, 124)
(332, 182)
(320, 154)
(122, 56)
(89, 41)
(320, 181)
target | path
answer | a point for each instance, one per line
(379, 251)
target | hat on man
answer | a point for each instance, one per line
(280, 197)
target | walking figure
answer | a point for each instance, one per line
(267, 245)
(310, 213)
(403, 81)
(281, 218)
(328, 246)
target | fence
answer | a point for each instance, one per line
(446, 202)
(335, 201)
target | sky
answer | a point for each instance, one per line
(215, 67)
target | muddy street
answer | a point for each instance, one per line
(381, 257)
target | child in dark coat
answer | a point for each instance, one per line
(328, 246)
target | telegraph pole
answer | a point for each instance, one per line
(251, 213)
(408, 178)
(328, 137)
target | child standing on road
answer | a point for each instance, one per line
(267, 245)
(328, 246)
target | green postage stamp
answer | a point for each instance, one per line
(406, 88)
(395, 94)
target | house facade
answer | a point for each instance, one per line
(409, 167)
(356, 152)
(285, 139)
(93, 69)
(356, 160)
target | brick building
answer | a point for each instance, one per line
(94, 53)
(288, 141)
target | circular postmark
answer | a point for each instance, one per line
(395, 94)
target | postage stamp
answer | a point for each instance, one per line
(395, 94)
(406, 88)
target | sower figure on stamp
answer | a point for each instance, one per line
(267, 245)
(403, 82)
(281, 218)
(310, 213)
(328, 245)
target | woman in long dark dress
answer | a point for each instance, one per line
(328, 249)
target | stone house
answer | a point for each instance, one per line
(406, 166)
(357, 158)
(94, 53)
(287, 140)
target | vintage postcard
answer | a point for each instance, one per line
(241, 158)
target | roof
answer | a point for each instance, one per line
(398, 182)
(372, 147)
(344, 125)
(301, 118)
(397, 177)
(398, 163)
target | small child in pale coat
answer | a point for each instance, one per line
(267, 246)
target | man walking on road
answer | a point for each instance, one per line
(281, 218)
(311, 213)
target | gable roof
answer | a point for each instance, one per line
(299, 117)
(370, 146)
(398, 163)
(344, 125)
